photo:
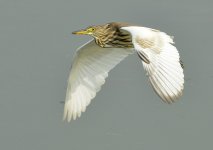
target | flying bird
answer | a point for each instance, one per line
(111, 43)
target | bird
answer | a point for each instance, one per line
(110, 44)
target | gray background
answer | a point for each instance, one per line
(36, 50)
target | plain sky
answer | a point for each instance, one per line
(36, 50)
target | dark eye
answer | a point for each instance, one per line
(91, 29)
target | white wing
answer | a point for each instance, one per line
(89, 70)
(161, 61)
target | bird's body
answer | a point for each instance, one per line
(112, 43)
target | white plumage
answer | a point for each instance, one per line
(164, 70)
(89, 70)
(92, 64)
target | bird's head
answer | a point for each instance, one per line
(96, 31)
(108, 34)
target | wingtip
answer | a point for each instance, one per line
(174, 98)
(69, 114)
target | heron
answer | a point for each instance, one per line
(112, 43)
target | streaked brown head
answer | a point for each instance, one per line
(108, 35)
(94, 31)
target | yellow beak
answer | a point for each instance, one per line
(80, 32)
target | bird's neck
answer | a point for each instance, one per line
(99, 42)
(116, 40)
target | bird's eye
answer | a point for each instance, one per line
(90, 29)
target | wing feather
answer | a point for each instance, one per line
(88, 72)
(164, 68)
